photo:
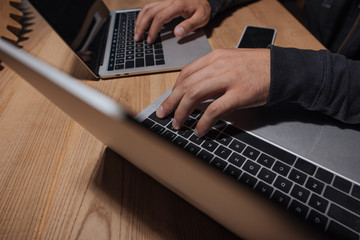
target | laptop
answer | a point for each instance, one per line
(263, 173)
(103, 40)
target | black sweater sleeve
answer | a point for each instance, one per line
(218, 6)
(316, 80)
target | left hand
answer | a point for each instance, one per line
(242, 76)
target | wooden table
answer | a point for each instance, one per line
(57, 181)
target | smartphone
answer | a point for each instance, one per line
(257, 37)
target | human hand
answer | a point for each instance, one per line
(156, 14)
(241, 76)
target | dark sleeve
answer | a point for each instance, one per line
(218, 6)
(316, 80)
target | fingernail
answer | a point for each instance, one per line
(196, 132)
(148, 40)
(175, 124)
(180, 32)
(160, 112)
(136, 37)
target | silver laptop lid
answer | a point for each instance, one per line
(233, 205)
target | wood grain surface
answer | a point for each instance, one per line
(59, 182)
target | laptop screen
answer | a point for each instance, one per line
(82, 24)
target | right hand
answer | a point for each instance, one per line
(154, 15)
(241, 77)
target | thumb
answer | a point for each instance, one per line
(196, 21)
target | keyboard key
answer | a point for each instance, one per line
(261, 145)
(139, 62)
(159, 56)
(129, 56)
(119, 66)
(297, 176)
(237, 146)
(251, 167)
(248, 179)
(237, 159)
(180, 141)
(192, 148)
(340, 232)
(300, 193)
(209, 145)
(314, 185)
(342, 184)
(222, 152)
(158, 129)
(129, 64)
(267, 175)
(251, 153)
(162, 121)
(206, 156)
(266, 160)
(158, 46)
(281, 168)
(318, 203)
(111, 65)
(212, 134)
(189, 122)
(283, 184)
(324, 175)
(280, 198)
(218, 163)
(159, 51)
(220, 125)
(196, 140)
(233, 171)
(148, 123)
(305, 166)
(345, 217)
(169, 135)
(264, 188)
(342, 199)
(160, 62)
(356, 191)
(299, 208)
(149, 59)
(317, 220)
(224, 139)
(185, 132)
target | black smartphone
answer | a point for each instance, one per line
(257, 37)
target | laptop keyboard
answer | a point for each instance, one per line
(316, 195)
(127, 54)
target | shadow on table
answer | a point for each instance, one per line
(152, 204)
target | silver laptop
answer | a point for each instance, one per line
(104, 40)
(280, 168)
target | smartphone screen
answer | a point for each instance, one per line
(257, 37)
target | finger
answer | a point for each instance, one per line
(220, 107)
(199, 19)
(187, 78)
(169, 104)
(144, 19)
(165, 15)
(196, 66)
(204, 89)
